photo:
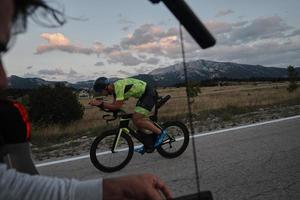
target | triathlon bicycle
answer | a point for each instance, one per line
(113, 149)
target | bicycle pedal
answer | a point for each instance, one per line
(167, 141)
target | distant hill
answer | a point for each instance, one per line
(147, 78)
(203, 70)
(198, 70)
(29, 83)
(25, 83)
(83, 84)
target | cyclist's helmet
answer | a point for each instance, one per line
(100, 84)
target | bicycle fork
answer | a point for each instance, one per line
(117, 138)
(116, 141)
(122, 129)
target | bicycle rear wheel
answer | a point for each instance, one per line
(176, 140)
(102, 156)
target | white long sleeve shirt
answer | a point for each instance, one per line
(15, 185)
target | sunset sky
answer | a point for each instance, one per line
(127, 37)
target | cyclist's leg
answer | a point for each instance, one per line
(143, 107)
(142, 122)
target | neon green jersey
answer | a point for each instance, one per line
(129, 87)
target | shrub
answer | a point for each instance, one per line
(193, 90)
(292, 75)
(54, 105)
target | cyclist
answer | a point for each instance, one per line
(124, 89)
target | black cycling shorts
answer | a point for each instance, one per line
(147, 101)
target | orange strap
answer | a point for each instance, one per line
(24, 115)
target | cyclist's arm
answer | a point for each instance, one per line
(116, 105)
(16, 185)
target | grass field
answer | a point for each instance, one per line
(225, 101)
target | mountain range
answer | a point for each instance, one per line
(198, 70)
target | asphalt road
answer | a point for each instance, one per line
(258, 162)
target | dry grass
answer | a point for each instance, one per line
(210, 99)
(213, 98)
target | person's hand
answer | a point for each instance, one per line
(95, 102)
(144, 186)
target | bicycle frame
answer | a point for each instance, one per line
(124, 122)
(124, 128)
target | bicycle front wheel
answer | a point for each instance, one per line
(176, 140)
(105, 158)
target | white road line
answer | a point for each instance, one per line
(195, 136)
(246, 126)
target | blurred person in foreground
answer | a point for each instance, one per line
(23, 182)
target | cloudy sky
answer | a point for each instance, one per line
(124, 38)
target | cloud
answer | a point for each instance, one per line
(143, 70)
(61, 75)
(57, 72)
(146, 33)
(128, 59)
(222, 13)
(125, 58)
(56, 38)
(243, 32)
(70, 75)
(219, 27)
(153, 40)
(265, 52)
(146, 39)
(294, 33)
(260, 28)
(152, 61)
(254, 41)
(240, 23)
(126, 73)
(57, 41)
(66, 48)
(112, 49)
(72, 72)
(98, 47)
(30, 75)
(51, 72)
(149, 48)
